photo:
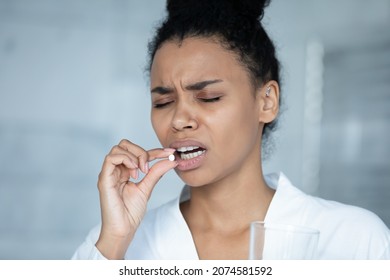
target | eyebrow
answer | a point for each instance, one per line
(196, 86)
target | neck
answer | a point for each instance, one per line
(232, 203)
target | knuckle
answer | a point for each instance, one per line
(108, 157)
(99, 182)
(124, 142)
(114, 149)
(143, 156)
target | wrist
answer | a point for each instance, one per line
(113, 247)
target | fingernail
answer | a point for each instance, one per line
(169, 150)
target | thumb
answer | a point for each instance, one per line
(154, 175)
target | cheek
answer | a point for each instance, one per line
(236, 127)
(238, 119)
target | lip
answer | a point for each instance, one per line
(185, 143)
(188, 164)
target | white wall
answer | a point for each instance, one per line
(72, 85)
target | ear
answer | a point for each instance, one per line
(268, 98)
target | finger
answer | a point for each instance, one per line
(134, 174)
(121, 150)
(113, 162)
(140, 153)
(155, 173)
(160, 153)
(133, 168)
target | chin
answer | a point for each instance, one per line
(193, 182)
(195, 179)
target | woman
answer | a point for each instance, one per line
(215, 99)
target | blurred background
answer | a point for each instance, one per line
(72, 85)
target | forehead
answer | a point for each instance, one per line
(193, 58)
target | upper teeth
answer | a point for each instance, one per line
(185, 149)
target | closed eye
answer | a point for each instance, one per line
(214, 99)
(161, 105)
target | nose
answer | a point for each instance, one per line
(184, 117)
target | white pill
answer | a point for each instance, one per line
(171, 157)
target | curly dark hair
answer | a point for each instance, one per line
(237, 26)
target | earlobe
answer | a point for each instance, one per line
(269, 101)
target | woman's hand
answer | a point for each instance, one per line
(123, 203)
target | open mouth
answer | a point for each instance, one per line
(190, 152)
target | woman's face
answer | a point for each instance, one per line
(204, 106)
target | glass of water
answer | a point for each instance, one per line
(270, 241)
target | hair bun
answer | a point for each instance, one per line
(248, 8)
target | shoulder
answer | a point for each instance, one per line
(360, 232)
(342, 214)
(315, 208)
